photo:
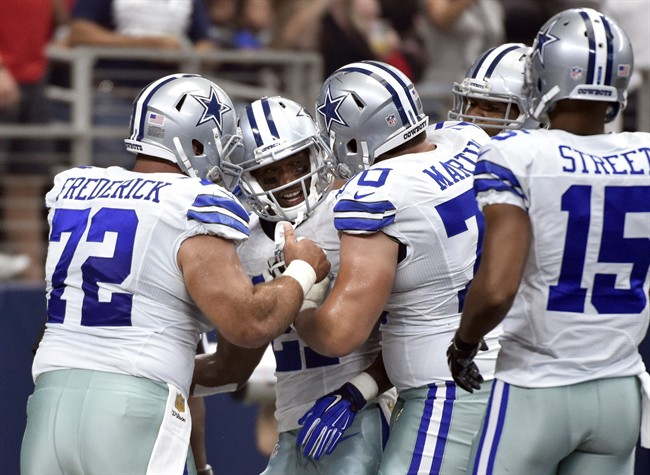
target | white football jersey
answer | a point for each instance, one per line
(304, 375)
(426, 203)
(582, 306)
(116, 297)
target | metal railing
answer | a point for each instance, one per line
(295, 75)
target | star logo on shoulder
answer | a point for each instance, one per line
(330, 110)
(544, 38)
(213, 109)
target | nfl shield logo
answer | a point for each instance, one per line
(179, 403)
(576, 73)
(391, 120)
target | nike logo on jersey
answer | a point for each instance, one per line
(358, 196)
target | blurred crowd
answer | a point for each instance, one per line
(432, 41)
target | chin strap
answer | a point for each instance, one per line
(189, 169)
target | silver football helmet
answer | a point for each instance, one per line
(579, 54)
(188, 120)
(497, 75)
(367, 109)
(272, 129)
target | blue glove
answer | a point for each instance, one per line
(324, 424)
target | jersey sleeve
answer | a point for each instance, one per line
(495, 175)
(97, 11)
(217, 212)
(364, 205)
(199, 25)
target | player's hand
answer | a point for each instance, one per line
(306, 250)
(316, 295)
(460, 358)
(324, 424)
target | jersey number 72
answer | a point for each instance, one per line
(69, 226)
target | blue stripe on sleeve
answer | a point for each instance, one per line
(214, 217)
(496, 185)
(228, 204)
(503, 173)
(374, 207)
(362, 224)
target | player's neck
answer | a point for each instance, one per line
(579, 117)
(146, 164)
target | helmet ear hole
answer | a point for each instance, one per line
(197, 147)
(352, 146)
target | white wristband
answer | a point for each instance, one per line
(366, 385)
(303, 273)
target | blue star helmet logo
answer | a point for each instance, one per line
(330, 110)
(544, 38)
(212, 109)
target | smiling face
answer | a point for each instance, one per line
(281, 173)
(483, 110)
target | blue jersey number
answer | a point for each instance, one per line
(569, 295)
(289, 357)
(454, 215)
(94, 270)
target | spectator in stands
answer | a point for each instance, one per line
(353, 30)
(181, 24)
(345, 31)
(242, 24)
(456, 32)
(222, 15)
(23, 75)
(297, 24)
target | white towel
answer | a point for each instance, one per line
(170, 450)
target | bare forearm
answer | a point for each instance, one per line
(323, 331)
(311, 331)
(444, 13)
(228, 365)
(506, 244)
(283, 296)
(482, 312)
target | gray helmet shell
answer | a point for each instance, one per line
(177, 111)
(272, 129)
(366, 109)
(579, 54)
(497, 75)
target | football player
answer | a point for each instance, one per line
(287, 175)
(139, 264)
(565, 265)
(491, 94)
(410, 239)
